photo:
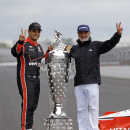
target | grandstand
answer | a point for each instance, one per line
(120, 55)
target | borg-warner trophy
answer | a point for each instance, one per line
(58, 68)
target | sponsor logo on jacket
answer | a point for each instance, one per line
(32, 63)
(39, 49)
(90, 50)
(31, 49)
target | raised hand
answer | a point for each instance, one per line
(119, 28)
(50, 48)
(22, 36)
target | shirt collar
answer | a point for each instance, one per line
(30, 41)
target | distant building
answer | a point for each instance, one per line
(6, 43)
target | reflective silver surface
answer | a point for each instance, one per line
(58, 124)
(58, 69)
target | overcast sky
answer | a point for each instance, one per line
(65, 15)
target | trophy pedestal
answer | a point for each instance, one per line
(59, 123)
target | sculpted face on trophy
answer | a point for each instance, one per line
(58, 68)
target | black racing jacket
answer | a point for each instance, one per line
(29, 55)
(87, 59)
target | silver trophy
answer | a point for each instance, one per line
(58, 68)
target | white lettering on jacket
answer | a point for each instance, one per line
(32, 63)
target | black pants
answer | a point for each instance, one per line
(29, 89)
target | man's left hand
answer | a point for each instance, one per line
(119, 28)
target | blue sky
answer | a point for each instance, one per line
(65, 15)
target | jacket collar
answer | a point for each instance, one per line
(85, 42)
(30, 41)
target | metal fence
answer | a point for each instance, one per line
(119, 55)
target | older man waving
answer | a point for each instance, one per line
(86, 54)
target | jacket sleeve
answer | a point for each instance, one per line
(71, 53)
(46, 54)
(18, 49)
(109, 44)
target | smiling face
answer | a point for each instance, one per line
(34, 34)
(83, 35)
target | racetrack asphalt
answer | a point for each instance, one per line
(114, 96)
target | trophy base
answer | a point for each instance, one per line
(61, 123)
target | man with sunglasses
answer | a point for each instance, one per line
(29, 54)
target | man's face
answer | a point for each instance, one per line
(34, 34)
(83, 35)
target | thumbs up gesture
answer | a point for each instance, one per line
(22, 36)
